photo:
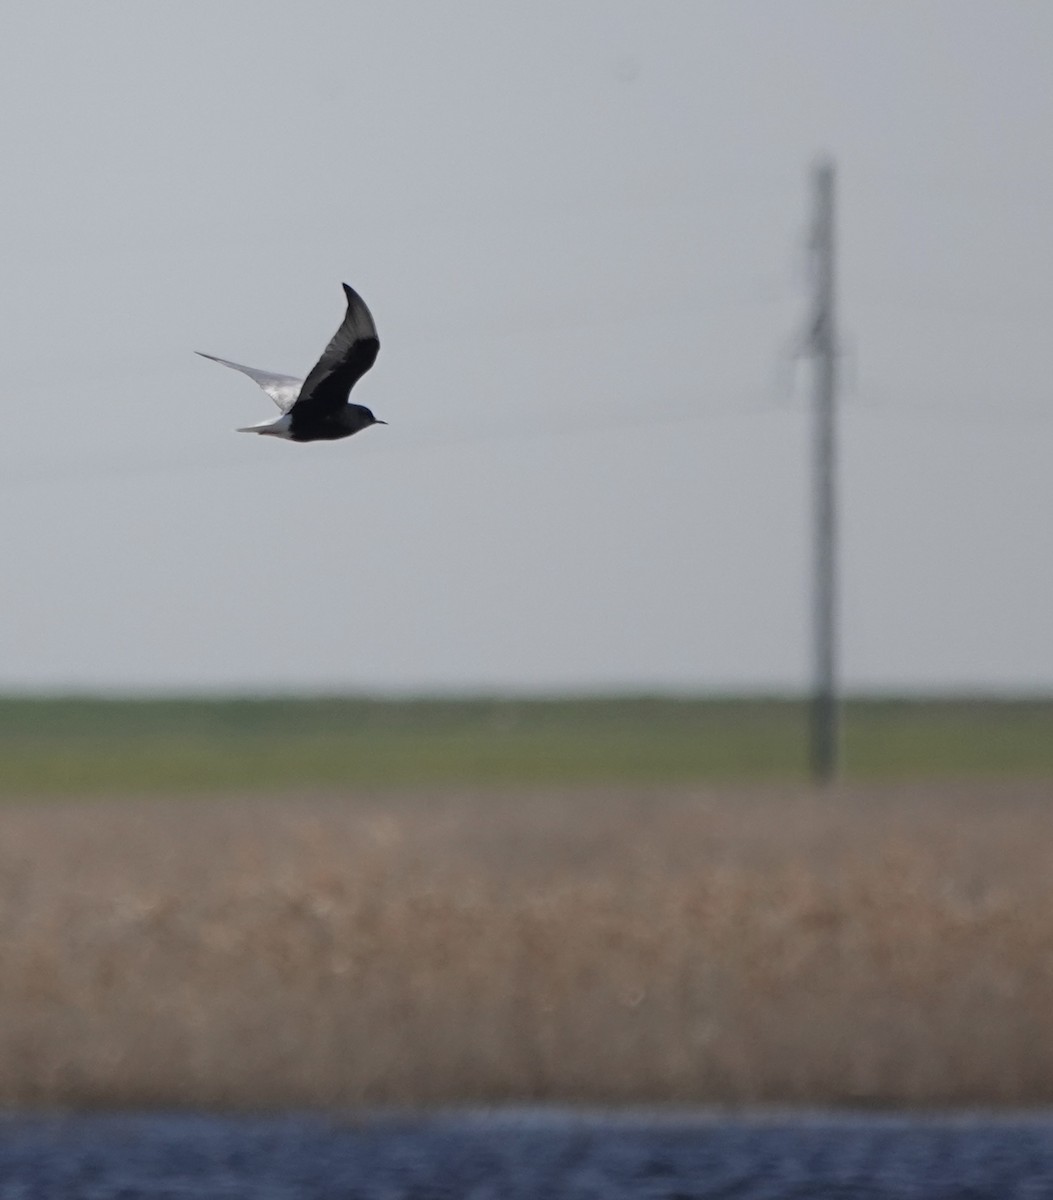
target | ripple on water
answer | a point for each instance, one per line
(526, 1155)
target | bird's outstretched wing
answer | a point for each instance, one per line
(282, 389)
(346, 359)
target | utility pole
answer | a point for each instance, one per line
(822, 347)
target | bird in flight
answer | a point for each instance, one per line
(317, 408)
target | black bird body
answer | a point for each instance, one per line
(318, 409)
(329, 426)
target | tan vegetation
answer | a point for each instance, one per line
(881, 945)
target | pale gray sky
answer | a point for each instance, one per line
(580, 229)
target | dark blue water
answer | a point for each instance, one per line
(526, 1156)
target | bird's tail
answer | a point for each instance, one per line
(278, 428)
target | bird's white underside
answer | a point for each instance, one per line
(277, 428)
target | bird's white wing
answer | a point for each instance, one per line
(282, 389)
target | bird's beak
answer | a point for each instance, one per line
(378, 421)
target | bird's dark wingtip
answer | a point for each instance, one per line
(352, 296)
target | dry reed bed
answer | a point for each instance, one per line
(877, 945)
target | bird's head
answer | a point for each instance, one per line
(353, 417)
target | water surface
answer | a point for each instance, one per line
(537, 1155)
